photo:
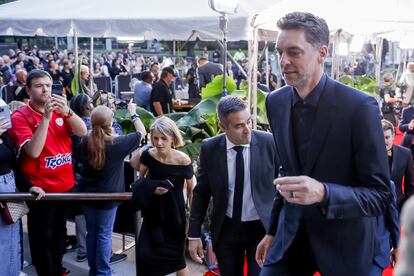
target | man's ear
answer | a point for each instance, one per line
(323, 53)
(222, 126)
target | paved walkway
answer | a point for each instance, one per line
(125, 268)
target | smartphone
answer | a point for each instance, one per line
(57, 89)
(166, 184)
(5, 113)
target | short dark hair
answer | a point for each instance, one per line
(387, 125)
(229, 104)
(167, 70)
(153, 64)
(80, 103)
(145, 75)
(36, 74)
(315, 28)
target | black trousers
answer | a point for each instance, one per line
(298, 259)
(47, 234)
(236, 242)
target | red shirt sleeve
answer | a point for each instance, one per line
(20, 132)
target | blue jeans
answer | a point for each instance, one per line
(10, 246)
(99, 226)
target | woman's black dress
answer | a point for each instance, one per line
(162, 237)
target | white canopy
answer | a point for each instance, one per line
(156, 19)
(364, 17)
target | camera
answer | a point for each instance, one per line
(57, 89)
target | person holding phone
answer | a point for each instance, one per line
(161, 251)
(41, 131)
(103, 154)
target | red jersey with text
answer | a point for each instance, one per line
(52, 170)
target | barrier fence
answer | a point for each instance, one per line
(80, 197)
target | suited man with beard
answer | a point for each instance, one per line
(331, 147)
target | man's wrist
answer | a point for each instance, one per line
(67, 114)
(134, 117)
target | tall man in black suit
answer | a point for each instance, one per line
(401, 165)
(236, 169)
(332, 151)
(206, 71)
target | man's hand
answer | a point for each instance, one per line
(49, 107)
(37, 191)
(132, 107)
(262, 249)
(301, 190)
(411, 124)
(160, 191)
(394, 254)
(195, 247)
(60, 104)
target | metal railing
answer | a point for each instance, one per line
(81, 197)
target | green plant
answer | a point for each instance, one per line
(76, 84)
(366, 84)
(201, 121)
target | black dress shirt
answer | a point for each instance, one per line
(303, 117)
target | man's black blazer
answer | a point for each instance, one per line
(406, 117)
(212, 181)
(402, 167)
(207, 72)
(347, 153)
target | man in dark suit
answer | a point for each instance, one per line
(401, 165)
(332, 151)
(206, 71)
(407, 126)
(236, 170)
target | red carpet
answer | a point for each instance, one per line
(398, 136)
(387, 272)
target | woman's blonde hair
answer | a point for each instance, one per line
(100, 134)
(167, 127)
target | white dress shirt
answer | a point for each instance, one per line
(249, 212)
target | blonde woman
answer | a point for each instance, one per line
(162, 238)
(102, 171)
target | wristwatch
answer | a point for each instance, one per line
(134, 117)
(70, 114)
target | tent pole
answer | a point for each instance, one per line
(75, 38)
(379, 42)
(233, 60)
(249, 73)
(254, 76)
(267, 64)
(91, 67)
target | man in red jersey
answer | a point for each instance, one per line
(41, 131)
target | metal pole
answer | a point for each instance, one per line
(254, 77)
(80, 197)
(75, 38)
(223, 26)
(91, 68)
(267, 64)
(233, 60)
(66, 196)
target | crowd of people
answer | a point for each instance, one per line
(190, 74)
(321, 192)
